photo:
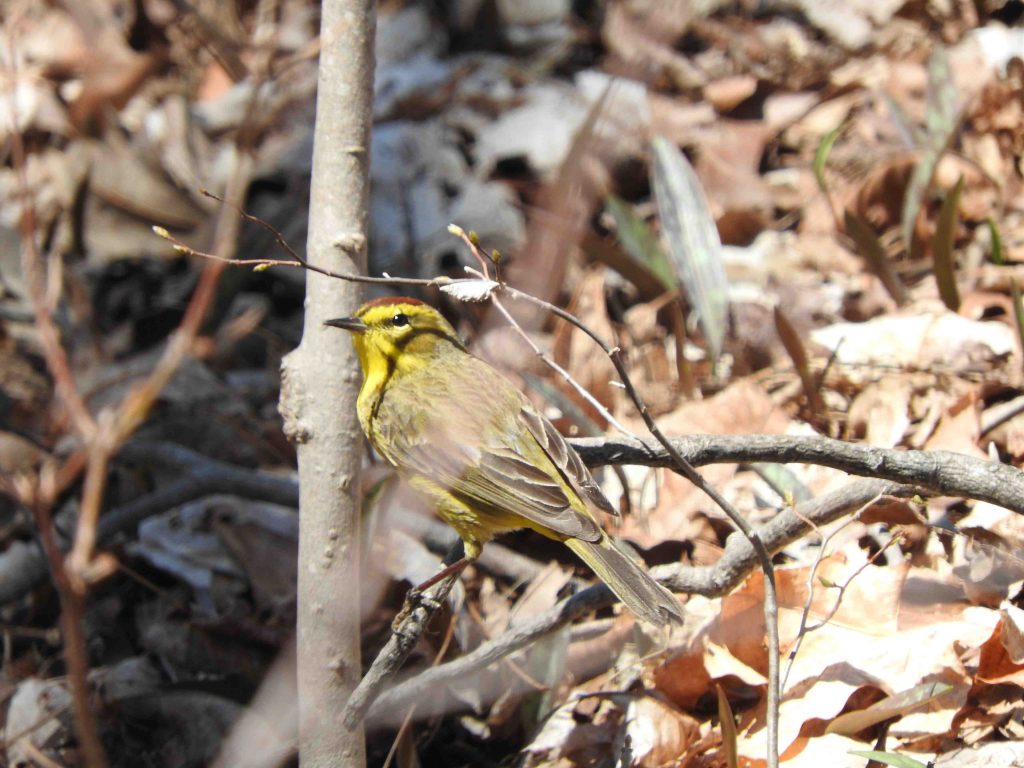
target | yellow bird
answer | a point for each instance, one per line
(463, 436)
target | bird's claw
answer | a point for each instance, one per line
(414, 599)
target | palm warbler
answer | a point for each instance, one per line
(461, 434)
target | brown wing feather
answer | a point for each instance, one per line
(566, 459)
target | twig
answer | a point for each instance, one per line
(49, 339)
(137, 404)
(803, 630)
(37, 756)
(76, 659)
(72, 604)
(566, 376)
(404, 727)
(1000, 414)
(394, 653)
(300, 262)
(893, 538)
(28, 730)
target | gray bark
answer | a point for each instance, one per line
(320, 380)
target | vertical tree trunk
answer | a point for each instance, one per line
(320, 380)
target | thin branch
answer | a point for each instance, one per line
(941, 473)
(73, 574)
(72, 604)
(36, 755)
(137, 404)
(394, 653)
(566, 376)
(49, 338)
(893, 538)
(300, 262)
(823, 543)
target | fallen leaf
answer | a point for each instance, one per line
(880, 412)
(922, 341)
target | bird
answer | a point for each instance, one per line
(465, 437)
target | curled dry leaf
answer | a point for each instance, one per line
(470, 290)
(999, 661)
(729, 92)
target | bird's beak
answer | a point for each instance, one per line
(353, 324)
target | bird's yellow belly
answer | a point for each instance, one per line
(473, 525)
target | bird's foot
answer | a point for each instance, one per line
(415, 598)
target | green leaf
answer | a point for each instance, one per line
(1018, 310)
(940, 122)
(889, 758)
(821, 158)
(693, 242)
(942, 247)
(640, 242)
(997, 242)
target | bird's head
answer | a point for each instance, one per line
(397, 334)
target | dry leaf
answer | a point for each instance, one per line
(880, 412)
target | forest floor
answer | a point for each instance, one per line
(845, 263)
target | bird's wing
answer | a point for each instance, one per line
(517, 465)
(566, 459)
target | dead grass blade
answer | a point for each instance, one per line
(942, 248)
(871, 249)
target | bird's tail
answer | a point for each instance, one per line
(631, 583)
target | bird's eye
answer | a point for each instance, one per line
(400, 320)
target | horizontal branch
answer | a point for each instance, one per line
(940, 473)
(22, 566)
